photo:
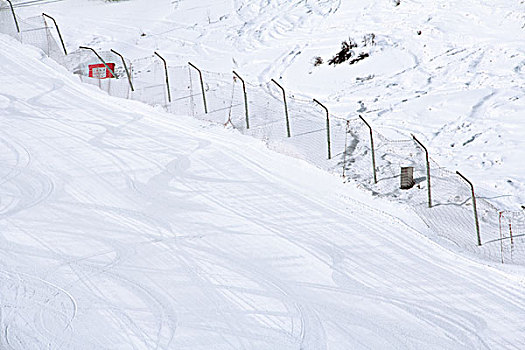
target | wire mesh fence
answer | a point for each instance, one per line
(149, 81)
(8, 22)
(33, 31)
(218, 90)
(104, 69)
(298, 127)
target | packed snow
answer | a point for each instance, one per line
(123, 226)
(450, 71)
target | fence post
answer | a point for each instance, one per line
(346, 143)
(166, 74)
(202, 87)
(285, 107)
(14, 16)
(500, 237)
(100, 58)
(428, 171)
(126, 68)
(327, 127)
(245, 99)
(474, 206)
(372, 146)
(58, 31)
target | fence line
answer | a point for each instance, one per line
(295, 126)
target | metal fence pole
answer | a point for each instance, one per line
(428, 171)
(285, 108)
(166, 74)
(474, 206)
(346, 143)
(100, 58)
(202, 87)
(245, 99)
(58, 31)
(500, 237)
(126, 68)
(14, 16)
(372, 146)
(327, 127)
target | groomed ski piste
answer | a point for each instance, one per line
(123, 226)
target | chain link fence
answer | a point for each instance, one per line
(32, 31)
(300, 128)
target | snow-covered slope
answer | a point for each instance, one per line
(123, 227)
(450, 71)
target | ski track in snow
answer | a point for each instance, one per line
(122, 227)
(410, 84)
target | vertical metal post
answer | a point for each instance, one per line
(428, 171)
(100, 58)
(285, 108)
(474, 206)
(166, 74)
(245, 99)
(344, 153)
(202, 87)
(125, 67)
(14, 16)
(500, 238)
(58, 31)
(327, 127)
(372, 146)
